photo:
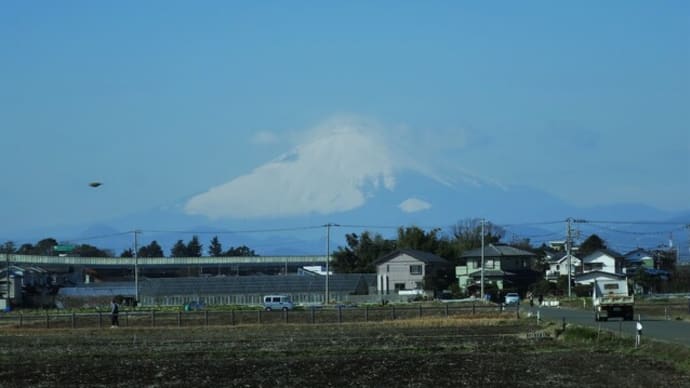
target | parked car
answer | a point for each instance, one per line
(512, 298)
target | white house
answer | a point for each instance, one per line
(601, 264)
(588, 278)
(558, 265)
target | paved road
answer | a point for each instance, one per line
(671, 331)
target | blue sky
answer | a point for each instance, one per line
(216, 104)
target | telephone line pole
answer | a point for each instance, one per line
(136, 266)
(481, 273)
(568, 243)
(328, 259)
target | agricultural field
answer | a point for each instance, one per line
(455, 351)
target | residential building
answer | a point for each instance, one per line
(407, 269)
(638, 258)
(558, 265)
(504, 266)
(602, 264)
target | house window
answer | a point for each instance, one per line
(388, 268)
(558, 267)
(416, 269)
(399, 286)
(594, 266)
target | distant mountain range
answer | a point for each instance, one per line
(528, 213)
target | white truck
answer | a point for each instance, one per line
(611, 298)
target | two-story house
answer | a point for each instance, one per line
(504, 266)
(558, 265)
(407, 269)
(638, 258)
(601, 264)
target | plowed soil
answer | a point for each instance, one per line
(437, 353)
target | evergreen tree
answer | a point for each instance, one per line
(151, 250)
(86, 250)
(241, 251)
(361, 252)
(215, 249)
(8, 247)
(591, 244)
(194, 247)
(179, 249)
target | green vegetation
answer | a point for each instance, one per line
(590, 339)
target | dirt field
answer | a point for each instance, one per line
(426, 353)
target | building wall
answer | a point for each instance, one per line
(561, 268)
(491, 263)
(396, 274)
(601, 262)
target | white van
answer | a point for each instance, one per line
(278, 302)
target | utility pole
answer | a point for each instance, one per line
(568, 243)
(136, 266)
(678, 259)
(7, 258)
(328, 258)
(481, 270)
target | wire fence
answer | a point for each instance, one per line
(338, 315)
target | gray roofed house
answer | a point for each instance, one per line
(406, 269)
(503, 265)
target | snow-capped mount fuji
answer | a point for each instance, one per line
(413, 199)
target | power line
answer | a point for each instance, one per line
(681, 224)
(248, 231)
(530, 224)
(98, 237)
(637, 233)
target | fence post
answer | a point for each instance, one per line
(474, 306)
(21, 319)
(420, 310)
(259, 317)
(100, 320)
(313, 315)
(393, 312)
(232, 317)
(153, 318)
(285, 315)
(517, 310)
(47, 321)
(179, 318)
(74, 323)
(366, 313)
(127, 318)
(340, 314)
(206, 317)
(446, 310)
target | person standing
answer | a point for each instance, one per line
(114, 314)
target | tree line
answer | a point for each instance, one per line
(192, 248)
